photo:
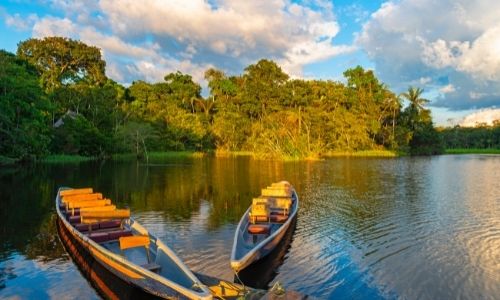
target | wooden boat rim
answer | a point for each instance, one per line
(137, 226)
(254, 250)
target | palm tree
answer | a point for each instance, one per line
(417, 112)
(413, 96)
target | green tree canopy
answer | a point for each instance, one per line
(24, 110)
(62, 61)
(263, 87)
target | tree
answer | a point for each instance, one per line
(62, 61)
(263, 87)
(24, 110)
(79, 136)
(416, 111)
(136, 137)
(423, 137)
(182, 89)
(426, 141)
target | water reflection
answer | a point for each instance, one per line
(415, 228)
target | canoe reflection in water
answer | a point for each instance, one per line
(261, 273)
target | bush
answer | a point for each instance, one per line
(78, 136)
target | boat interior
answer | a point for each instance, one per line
(113, 229)
(268, 212)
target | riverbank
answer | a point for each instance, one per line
(66, 158)
(472, 151)
(365, 153)
(5, 161)
(63, 158)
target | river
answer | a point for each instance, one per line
(368, 228)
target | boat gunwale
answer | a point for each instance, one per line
(243, 261)
(128, 264)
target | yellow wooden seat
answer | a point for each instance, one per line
(279, 205)
(97, 208)
(282, 205)
(81, 197)
(94, 216)
(260, 210)
(82, 204)
(276, 192)
(76, 192)
(127, 242)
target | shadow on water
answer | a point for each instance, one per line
(261, 273)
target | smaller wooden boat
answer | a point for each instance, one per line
(264, 224)
(121, 256)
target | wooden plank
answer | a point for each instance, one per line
(127, 242)
(106, 214)
(97, 208)
(76, 191)
(81, 197)
(92, 203)
(267, 192)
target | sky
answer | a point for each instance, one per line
(450, 48)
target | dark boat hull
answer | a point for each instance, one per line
(259, 274)
(107, 283)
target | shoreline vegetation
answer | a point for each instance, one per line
(69, 159)
(154, 156)
(69, 111)
(472, 151)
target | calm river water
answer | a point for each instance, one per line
(410, 228)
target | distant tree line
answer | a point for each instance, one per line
(56, 99)
(479, 137)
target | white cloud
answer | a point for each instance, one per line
(454, 43)
(242, 31)
(447, 89)
(424, 80)
(487, 116)
(20, 23)
(147, 39)
(52, 26)
(125, 61)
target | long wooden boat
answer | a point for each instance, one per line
(264, 224)
(122, 259)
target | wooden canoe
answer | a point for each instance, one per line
(248, 247)
(121, 258)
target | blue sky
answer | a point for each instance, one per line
(451, 48)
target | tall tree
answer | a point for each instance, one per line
(416, 111)
(24, 129)
(263, 87)
(62, 61)
(183, 89)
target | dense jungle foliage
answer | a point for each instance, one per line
(480, 137)
(56, 99)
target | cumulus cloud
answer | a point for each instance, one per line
(454, 44)
(18, 22)
(53, 26)
(447, 89)
(126, 61)
(234, 33)
(147, 39)
(487, 116)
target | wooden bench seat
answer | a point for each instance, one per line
(70, 192)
